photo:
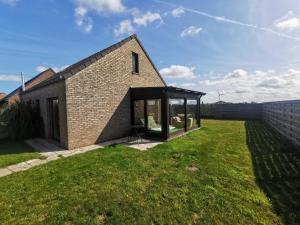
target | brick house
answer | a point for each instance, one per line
(2, 95)
(102, 96)
(14, 96)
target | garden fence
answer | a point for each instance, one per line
(283, 116)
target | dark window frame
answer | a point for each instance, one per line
(165, 94)
(135, 63)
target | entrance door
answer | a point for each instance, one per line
(54, 119)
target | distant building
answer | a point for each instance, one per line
(15, 95)
(222, 102)
(2, 95)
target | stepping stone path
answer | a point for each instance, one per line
(53, 152)
(50, 151)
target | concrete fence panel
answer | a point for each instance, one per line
(231, 111)
(285, 118)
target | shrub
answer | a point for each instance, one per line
(22, 121)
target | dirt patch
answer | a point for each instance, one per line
(192, 168)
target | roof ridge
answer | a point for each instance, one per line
(83, 63)
(27, 82)
(100, 53)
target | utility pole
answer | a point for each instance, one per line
(23, 82)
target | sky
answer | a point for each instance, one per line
(233, 50)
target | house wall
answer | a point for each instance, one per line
(98, 97)
(43, 94)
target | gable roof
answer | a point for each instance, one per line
(19, 89)
(82, 64)
(2, 95)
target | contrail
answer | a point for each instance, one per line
(235, 22)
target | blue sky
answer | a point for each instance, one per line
(245, 50)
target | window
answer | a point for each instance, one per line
(139, 113)
(177, 115)
(135, 62)
(191, 110)
(154, 115)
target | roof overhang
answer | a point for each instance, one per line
(157, 92)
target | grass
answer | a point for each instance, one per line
(12, 152)
(223, 173)
(277, 169)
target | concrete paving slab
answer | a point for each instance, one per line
(5, 172)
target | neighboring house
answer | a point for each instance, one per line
(2, 95)
(100, 97)
(15, 95)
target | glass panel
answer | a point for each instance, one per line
(139, 113)
(154, 115)
(177, 115)
(54, 119)
(191, 109)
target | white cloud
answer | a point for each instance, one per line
(9, 2)
(237, 74)
(58, 69)
(125, 27)
(42, 68)
(288, 22)
(147, 18)
(191, 31)
(111, 6)
(178, 71)
(275, 82)
(173, 84)
(129, 26)
(234, 22)
(4, 77)
(84, 7)
(258, 86)
(178, 12)
(82, 20)
(188, 85)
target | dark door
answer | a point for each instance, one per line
(54, 118)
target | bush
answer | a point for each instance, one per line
(22, 121)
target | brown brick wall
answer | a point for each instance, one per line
(98, 99)
(43, 94)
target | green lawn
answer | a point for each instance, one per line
(228, 172)
(12, 152)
